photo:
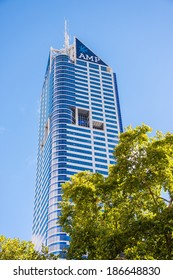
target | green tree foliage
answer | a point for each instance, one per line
(125, 214)
(14, 249)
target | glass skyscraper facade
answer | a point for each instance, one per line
(80, 121)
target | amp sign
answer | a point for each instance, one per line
(82, 52)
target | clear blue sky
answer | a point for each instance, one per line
(135, 37)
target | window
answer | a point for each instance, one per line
(97, 109)
(94, 71)
(98, 119)
(99, 133)
(81, 62)
(103, 68)
(78, 139)
(79, 67)
(106, 74)
(80, 116)
(97, 125)
(79, 162)
(97, 114)
(81, 151)
(100, 155)
(78, 129)
(83, 117)
(93, 66)
(101, 166)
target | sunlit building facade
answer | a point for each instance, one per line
(80, 121)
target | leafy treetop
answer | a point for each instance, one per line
(126, 213)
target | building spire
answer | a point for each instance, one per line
(66, 38)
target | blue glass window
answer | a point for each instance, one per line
(103, 68)
(101, 166)
(97, 104)
(99, 133)
(93, 66)
(79, 162)
(79, 134)
(97, 114)
(78, 139)
(61, 80)
(79, 87)
(99, 143)
(106, 74)
(65, 76)
(100, 155)
(108, 107)
(81, 79)
(78, 97)
(108, 94)
(99, 149)
(98, 87)
(95, 83)
(97, 118)
(92, 71)
(96, 91)
(112, 122)
(81, 83)
(96, 100)
(83, 76)
(110, 112)
(62, 178)
(113, 136)
(79, 156)
(62, 171)
(94, 79)
(79, 151)
(111, 146)
(86, 130)
(107, 83)
(106, 86)
(82, 91)
(78, 168)
(111, 156)
(61, 159)
(81, 72)
(97, 109)
(79, 67)
(60, 71)
(78, 145)
(81, 62)
(109, 98)
(113, 131)
(99, 138)
(107, 90)
(61, 147)
(101, 160)
(83, 106)
(113, 141)
(61, 153)
(113, 126)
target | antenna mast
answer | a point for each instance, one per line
(66, 39)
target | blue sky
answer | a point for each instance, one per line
(133, 36)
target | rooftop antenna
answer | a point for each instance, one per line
(66, 38)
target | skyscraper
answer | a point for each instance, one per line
(80, 121)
